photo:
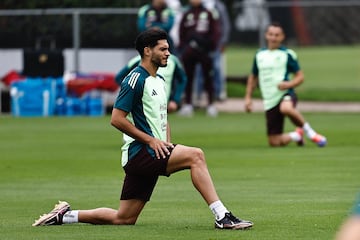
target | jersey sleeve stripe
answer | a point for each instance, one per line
(133, 79)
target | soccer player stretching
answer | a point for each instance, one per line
(140, 112)
(271, 68)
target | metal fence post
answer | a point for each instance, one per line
(76, 39)
(262, 23)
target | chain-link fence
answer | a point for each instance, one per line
(305, 22)
(333, 25)
(93, 28)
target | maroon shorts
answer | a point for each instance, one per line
(275, 119)
(142, 173)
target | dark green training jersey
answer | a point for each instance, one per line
(144, 98)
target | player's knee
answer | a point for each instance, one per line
(287, 110)
(275, 143)
(124, 221)
(198, 156)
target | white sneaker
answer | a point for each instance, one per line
(54, 217)
(212, 111)
(187, 110)
(320, 140)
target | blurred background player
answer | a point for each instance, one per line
(157, 14)
(271, 69)
(173, 73)
(160, 14)
(219, 58)
(221, 13)
(350, 229)
(177, 9)
(199, 34)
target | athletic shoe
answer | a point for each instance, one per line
(301, 142)
(232, 222)
(55, 216)
(186, 110)
(320, 140)
(212, 111)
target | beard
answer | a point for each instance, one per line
(163, 65)
(157, 62)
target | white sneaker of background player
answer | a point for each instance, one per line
(212, 111)
(187, 110)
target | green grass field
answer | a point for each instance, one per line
(289, 193)
(331, 73)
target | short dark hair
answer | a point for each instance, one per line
(276, 24)
(149, 38)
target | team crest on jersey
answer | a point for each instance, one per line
(190, 20)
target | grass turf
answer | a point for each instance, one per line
(332, 73)
(289, 193)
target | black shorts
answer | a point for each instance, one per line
(142, 173)
(275, 119)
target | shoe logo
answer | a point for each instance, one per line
(51, 222)
(219, 225)
(154, 93)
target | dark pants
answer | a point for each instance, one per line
(190, 58)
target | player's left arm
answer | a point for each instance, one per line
(215, 36)
(295, 81)
(127, 69)
(178, 83)
(251, 83)
(292, 67)
(169, 23)
(141, 18)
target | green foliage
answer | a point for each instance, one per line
(290, 193)
(33, 4)
(97, 30)
(331, 73)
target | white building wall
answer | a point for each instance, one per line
(90, 60)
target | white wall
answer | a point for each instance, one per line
(90, 60)
(10, 60)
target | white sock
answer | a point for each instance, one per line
(71, 217)
(295, 136)
(218, 209)
(310, 133)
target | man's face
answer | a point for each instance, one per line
(195, 2)
(274, 37)
(160, 53)
(159, 3)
